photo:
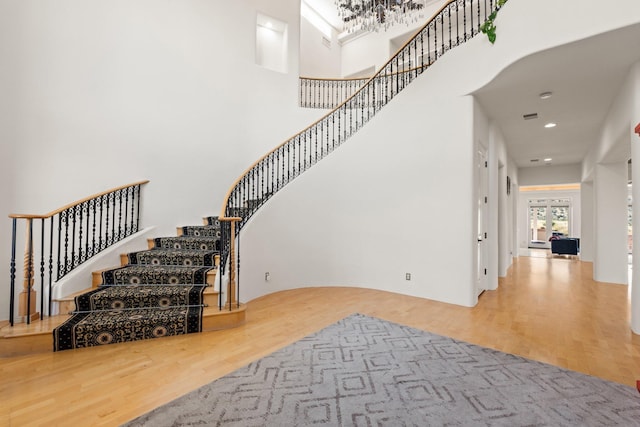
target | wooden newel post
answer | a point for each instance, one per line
(232, 286)
(231, 294)
(27, 298)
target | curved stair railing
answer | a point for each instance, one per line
(66, 238)
(453, 24)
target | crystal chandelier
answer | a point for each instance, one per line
(374, 15)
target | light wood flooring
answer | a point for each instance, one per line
(546, 309)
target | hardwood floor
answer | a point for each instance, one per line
(546, 309)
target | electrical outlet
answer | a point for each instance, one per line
(266, 276)
(408, 276)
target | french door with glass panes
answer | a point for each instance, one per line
(548, 218)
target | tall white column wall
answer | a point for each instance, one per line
(610, 264)
(587, 212)
(635, 173)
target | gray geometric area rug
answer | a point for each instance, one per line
(364, 371)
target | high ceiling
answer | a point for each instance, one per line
(584, 77)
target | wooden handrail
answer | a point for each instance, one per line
(254, 164)
(57, 211)
(85, 228)
(335, 79)
(408, 70)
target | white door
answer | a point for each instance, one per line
(482, 191)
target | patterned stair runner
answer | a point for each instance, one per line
(147, 296)
(201, 231)
(159, 293)
(173, 257)
(188, 243)
(155, 274)
(88, 329)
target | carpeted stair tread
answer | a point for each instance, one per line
(114, 326)
(182, 257)
(201, 231)
(152, 274)
(212, 220)
(138, 296)
(240, 212)
(188, 243)
(159, 292)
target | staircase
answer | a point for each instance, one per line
(168, 289)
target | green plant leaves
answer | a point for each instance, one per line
(489, 27)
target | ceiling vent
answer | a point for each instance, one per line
(530, 116)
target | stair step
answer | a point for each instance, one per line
(186, 242)
(68, 303)
(140, 274)
(158, 256)
(114, 326)
(117, 297)
(199, 231)
(23, 339)
(241, 212)
(211, 220)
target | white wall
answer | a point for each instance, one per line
(605, 164)
(504, 213)
(316, 59)
(550, 174)
(634, 78)
(587, 207)
(97, 94)
(397, 198)
(610, 191)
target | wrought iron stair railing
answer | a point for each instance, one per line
(65, 238)
(327, 93)
(453, 24)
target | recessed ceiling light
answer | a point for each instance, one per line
(548, 159)
(546, 95)
(550, 125)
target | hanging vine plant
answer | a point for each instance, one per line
(489, 27)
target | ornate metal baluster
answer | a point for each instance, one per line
(66, 240)
(42, 267)
(119, 198)
(50, 261)
(444, 43)
(478, 20)
(238, 268)
(76, 212)
(457, 24)
(464, 19)
(273, 176)
(449, 20)
(111, 209)
(126, 227)
(12, 271)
